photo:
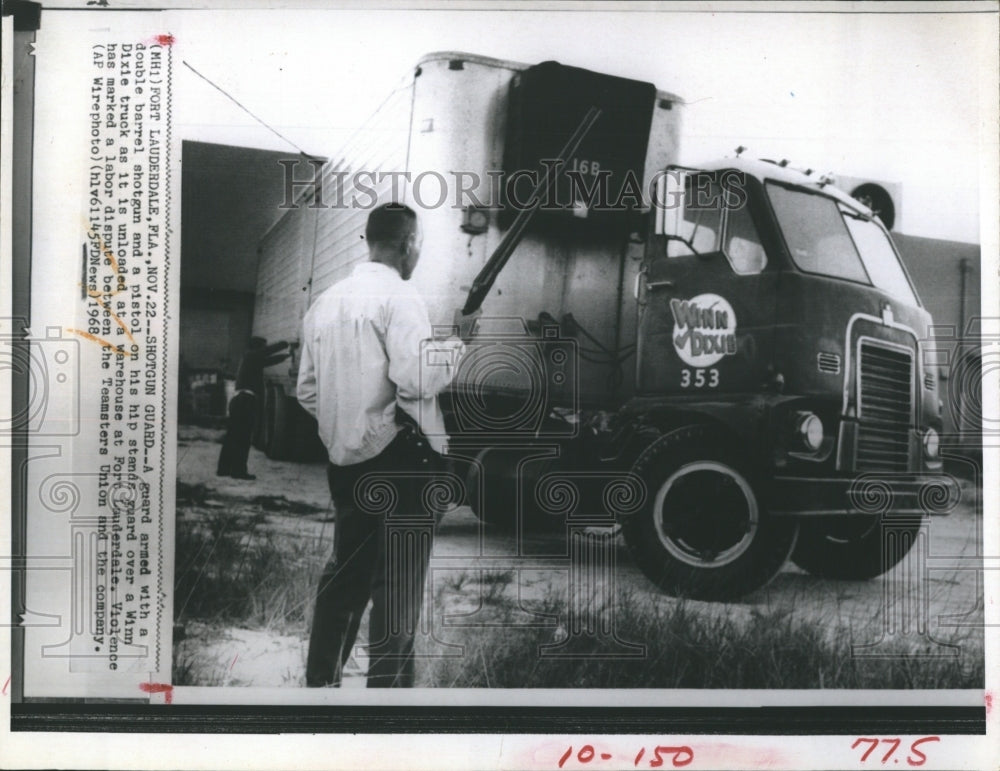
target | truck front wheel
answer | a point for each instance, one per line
(854, 549)
(703, 531)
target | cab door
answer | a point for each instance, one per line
(706, 295)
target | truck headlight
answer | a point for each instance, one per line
(809, 430)
(932, 444)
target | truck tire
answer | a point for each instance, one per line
(279, 423)
(490, 497)
(854, 550)
(703, 531)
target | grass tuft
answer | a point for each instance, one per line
(233, 568)
(679, 646)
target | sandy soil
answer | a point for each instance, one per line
(467, 558)
(198, 455)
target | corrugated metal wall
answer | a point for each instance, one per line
(311, 248)
(379, 147)
(279, 288)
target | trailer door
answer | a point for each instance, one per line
(706, 294)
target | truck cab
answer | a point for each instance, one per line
(779, 355)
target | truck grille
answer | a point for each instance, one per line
(885, 406)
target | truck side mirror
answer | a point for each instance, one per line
(669, 201)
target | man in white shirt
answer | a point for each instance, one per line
(362, 343)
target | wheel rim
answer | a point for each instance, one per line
(706, 514)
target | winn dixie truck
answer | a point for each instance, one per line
(725, 360)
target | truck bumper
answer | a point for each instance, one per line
(866, 494)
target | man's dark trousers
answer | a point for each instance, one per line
(381, 546)
(239, 433)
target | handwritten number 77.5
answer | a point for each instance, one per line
(919, 759)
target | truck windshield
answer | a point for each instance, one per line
(828, 239)
(879, 257)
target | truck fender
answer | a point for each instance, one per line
(658, 442)
(742, 423)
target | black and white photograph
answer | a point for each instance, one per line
(552, 368)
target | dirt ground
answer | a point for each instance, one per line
(470, 564)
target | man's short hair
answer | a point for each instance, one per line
(389, 224)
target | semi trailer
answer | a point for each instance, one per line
(734, 350)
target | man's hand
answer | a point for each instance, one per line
(466, 323)
(449, 350)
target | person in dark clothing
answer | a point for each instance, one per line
(243, 406)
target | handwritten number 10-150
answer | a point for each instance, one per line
(679, 756)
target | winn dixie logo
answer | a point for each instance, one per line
(704, 329)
